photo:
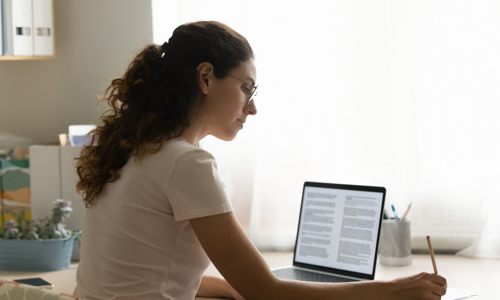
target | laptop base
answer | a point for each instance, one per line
(304, 275)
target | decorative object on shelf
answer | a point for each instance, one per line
(38, 246)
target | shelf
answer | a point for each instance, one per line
(44, 57)
(26, 57)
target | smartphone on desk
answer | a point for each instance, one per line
(39, 282)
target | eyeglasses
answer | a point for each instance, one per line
(249, 95)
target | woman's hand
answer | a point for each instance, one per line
(423, 286)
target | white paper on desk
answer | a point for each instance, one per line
(456, 294)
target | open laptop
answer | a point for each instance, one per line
(338, 234)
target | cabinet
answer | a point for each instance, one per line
(53, 176)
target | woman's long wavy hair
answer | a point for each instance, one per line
(155, 99)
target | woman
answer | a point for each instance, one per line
(157, 210)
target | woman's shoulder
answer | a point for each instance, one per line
(178, 149)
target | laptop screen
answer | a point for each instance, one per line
(339, 227)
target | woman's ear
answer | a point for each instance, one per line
(205, 73)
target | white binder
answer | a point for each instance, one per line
(1, 27)
(18, 31)
(43, 31)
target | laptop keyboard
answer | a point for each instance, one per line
(302, 275)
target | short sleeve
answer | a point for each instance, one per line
(195, 189)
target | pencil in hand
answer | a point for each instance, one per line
(432, 254)
(433, 258)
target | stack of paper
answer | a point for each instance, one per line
(456, 294)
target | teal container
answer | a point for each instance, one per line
(36, 255)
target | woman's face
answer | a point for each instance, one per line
(225, 107)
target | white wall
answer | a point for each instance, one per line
(94, 43)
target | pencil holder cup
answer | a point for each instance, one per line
(395, 243)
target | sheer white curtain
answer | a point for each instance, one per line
(398, 93)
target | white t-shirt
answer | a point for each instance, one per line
(137, 242)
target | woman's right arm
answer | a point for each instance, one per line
(241, 264)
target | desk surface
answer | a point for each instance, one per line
(478, 275)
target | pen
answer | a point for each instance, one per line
(432, 254)
(394, 212)
(407, 211)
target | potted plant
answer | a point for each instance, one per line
(38, 245)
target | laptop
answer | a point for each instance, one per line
(338, 233)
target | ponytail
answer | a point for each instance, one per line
(154, 100)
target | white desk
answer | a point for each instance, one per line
(478, 275)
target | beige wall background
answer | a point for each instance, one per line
(94, 42)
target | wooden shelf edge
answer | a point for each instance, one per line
(26, 57)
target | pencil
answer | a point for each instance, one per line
(407, 211)
(432, 255)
